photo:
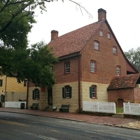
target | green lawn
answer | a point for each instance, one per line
(119, 110)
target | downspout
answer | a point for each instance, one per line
(27, 94)
(5, 84)
(79, 86)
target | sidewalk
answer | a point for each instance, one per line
(104, 120)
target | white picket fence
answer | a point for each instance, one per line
(14, 104)
(105, 107)
(131, 108)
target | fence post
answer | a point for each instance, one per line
(129, 107)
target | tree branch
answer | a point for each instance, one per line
(13, 17)
(81, 7)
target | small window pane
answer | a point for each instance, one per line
(108, 36)
(93, 91)
(93, 66)
(67, 67)
(67, 92)
(101, 33)
(114, 50)
(118, 71)
(96, 45)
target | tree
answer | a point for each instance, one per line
(134, 57)
(17, 17)
(16, 21)
(35, 64)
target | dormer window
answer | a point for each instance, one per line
(96, 45)
(108, 36)
(101, 33)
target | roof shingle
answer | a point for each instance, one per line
(121, 82)
(74, 41)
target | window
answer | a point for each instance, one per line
(93, 91)
(67, 92)
(96, 45)
(101, 33)
(25, 83)
(0, 83)
(67, 67)
(114, 50)
(93, 66)
(36, 94)
(108, 36)
(118, 69)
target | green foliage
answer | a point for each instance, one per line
(134, 57)
(34, 64)
(16, 21)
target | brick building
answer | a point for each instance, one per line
(124, 89)
(88, 59)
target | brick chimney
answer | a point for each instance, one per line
(101, 14)
(54, 34)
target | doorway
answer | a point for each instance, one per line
(120, 102)
(50, 102)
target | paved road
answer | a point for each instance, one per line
(27, 127)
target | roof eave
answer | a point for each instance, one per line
(72, 55)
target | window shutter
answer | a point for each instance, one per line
(90, 92)
(63, 92)
(70, 92)
(33, 94)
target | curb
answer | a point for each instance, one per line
(106, 124)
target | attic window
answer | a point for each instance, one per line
(101, 33)
(108, 36)
(114, 50)
(118, 70)
(96, 45)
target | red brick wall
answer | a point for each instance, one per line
(105, 60)
(126, 94)
(136, 95)
(59, 74)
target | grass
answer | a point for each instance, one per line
(119, 110)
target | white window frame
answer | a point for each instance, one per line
(108, 36)
(114, 50)
(101, 33)
(96, 45)
(93, 66)
(118, 69)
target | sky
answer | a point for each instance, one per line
(122, 15)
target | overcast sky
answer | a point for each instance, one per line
(122, 15)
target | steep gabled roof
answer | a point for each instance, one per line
(129, 66)
(123, 82)
(74, 41)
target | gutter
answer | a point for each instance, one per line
(69, 56)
